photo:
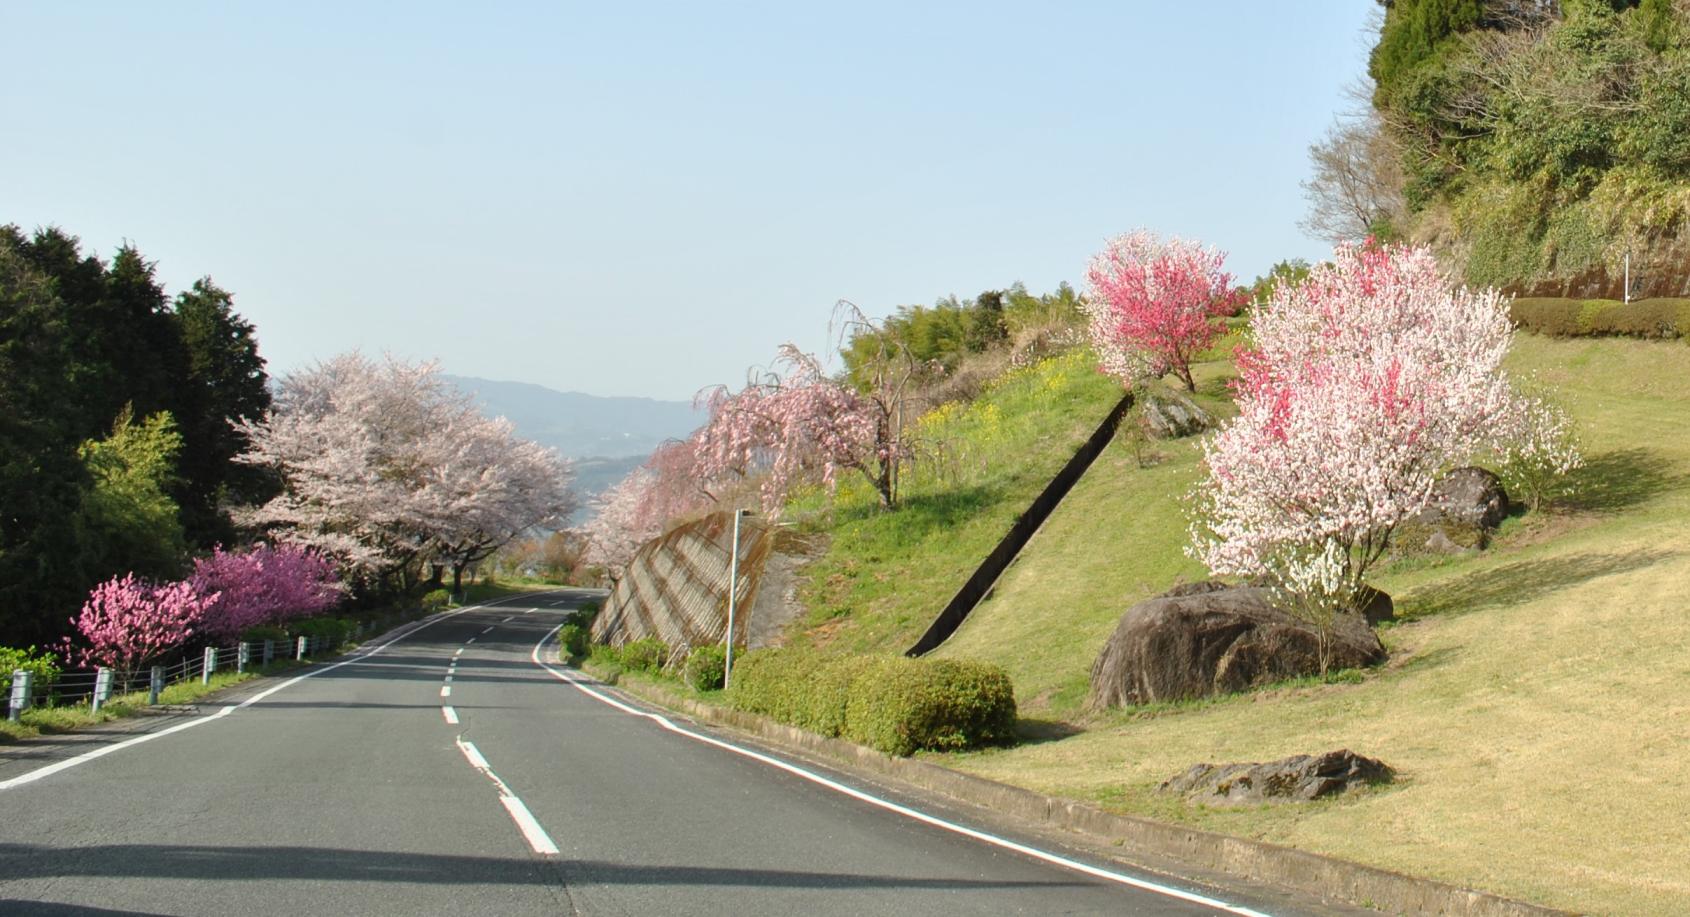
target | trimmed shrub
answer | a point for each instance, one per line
(894, 704)
(647, 655)
(1644, 318)
(705, 666)
(574, 639)
(436, 601)
(906, 705)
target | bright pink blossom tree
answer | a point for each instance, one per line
(1154, 304)
(129, 622)
(1363, 384)
(266, 585)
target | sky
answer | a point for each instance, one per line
(626, 198)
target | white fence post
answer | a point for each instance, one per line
(155, 684)
(269, 651)
(21, 684)
(102, 687)
(210, 665)
(303, 643)
(243, 656)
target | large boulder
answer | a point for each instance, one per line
(1294, 778)
(1209, 638)
(1467, 505)
(1167, 414)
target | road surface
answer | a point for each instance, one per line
(453, 771)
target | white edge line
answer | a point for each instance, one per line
(358, 656)
(537, 838)
(450, 714)
(897, 808)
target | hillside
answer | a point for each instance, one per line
(580, 425)
(1533, 695)
(1534, 145)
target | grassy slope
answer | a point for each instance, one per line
(1535, 704)
(886, 575)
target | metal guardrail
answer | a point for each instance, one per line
(97, 688)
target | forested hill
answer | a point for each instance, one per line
(579, 425)
(1532, 142)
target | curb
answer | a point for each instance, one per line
(1311, 873)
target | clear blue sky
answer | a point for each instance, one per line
(639, 198)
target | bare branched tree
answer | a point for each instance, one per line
(1357, 180)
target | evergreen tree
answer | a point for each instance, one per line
(226, 385)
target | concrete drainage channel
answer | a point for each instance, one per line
(1310, 873)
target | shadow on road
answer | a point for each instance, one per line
(33, 861)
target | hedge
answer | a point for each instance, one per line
(1645, 318)
(891, 703)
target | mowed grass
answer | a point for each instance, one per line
(1537, 704)
(886, 575)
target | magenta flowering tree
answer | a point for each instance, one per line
(265, 585)
(129, 622)
(1154, 304)
(1363, 384)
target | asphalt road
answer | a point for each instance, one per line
(353, 791)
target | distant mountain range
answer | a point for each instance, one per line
(607, 437)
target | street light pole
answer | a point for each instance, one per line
(1627, 294)
(733, 599)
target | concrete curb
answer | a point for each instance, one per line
(1314, 874)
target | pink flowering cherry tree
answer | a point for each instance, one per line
(266, 585)
(129, 622)
(798, 424)
(1362, 385)
(1154, 304)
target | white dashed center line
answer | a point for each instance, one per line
(446, 691)
(450, 715)
(536, 836)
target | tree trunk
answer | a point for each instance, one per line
(457, 579)
(436, 576)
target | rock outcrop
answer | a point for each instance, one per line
(1466, 507)
(1299, 777)
(1210, 638)
(1167, 414)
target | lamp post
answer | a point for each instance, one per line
(733, 597)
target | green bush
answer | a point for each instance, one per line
(574, 639)
(44, 666)
(894, 704)
(905, 705)
(436, 601)
(262, 633)
(1645, 318)
(647, 655)
(335, 630)
(705, 667)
